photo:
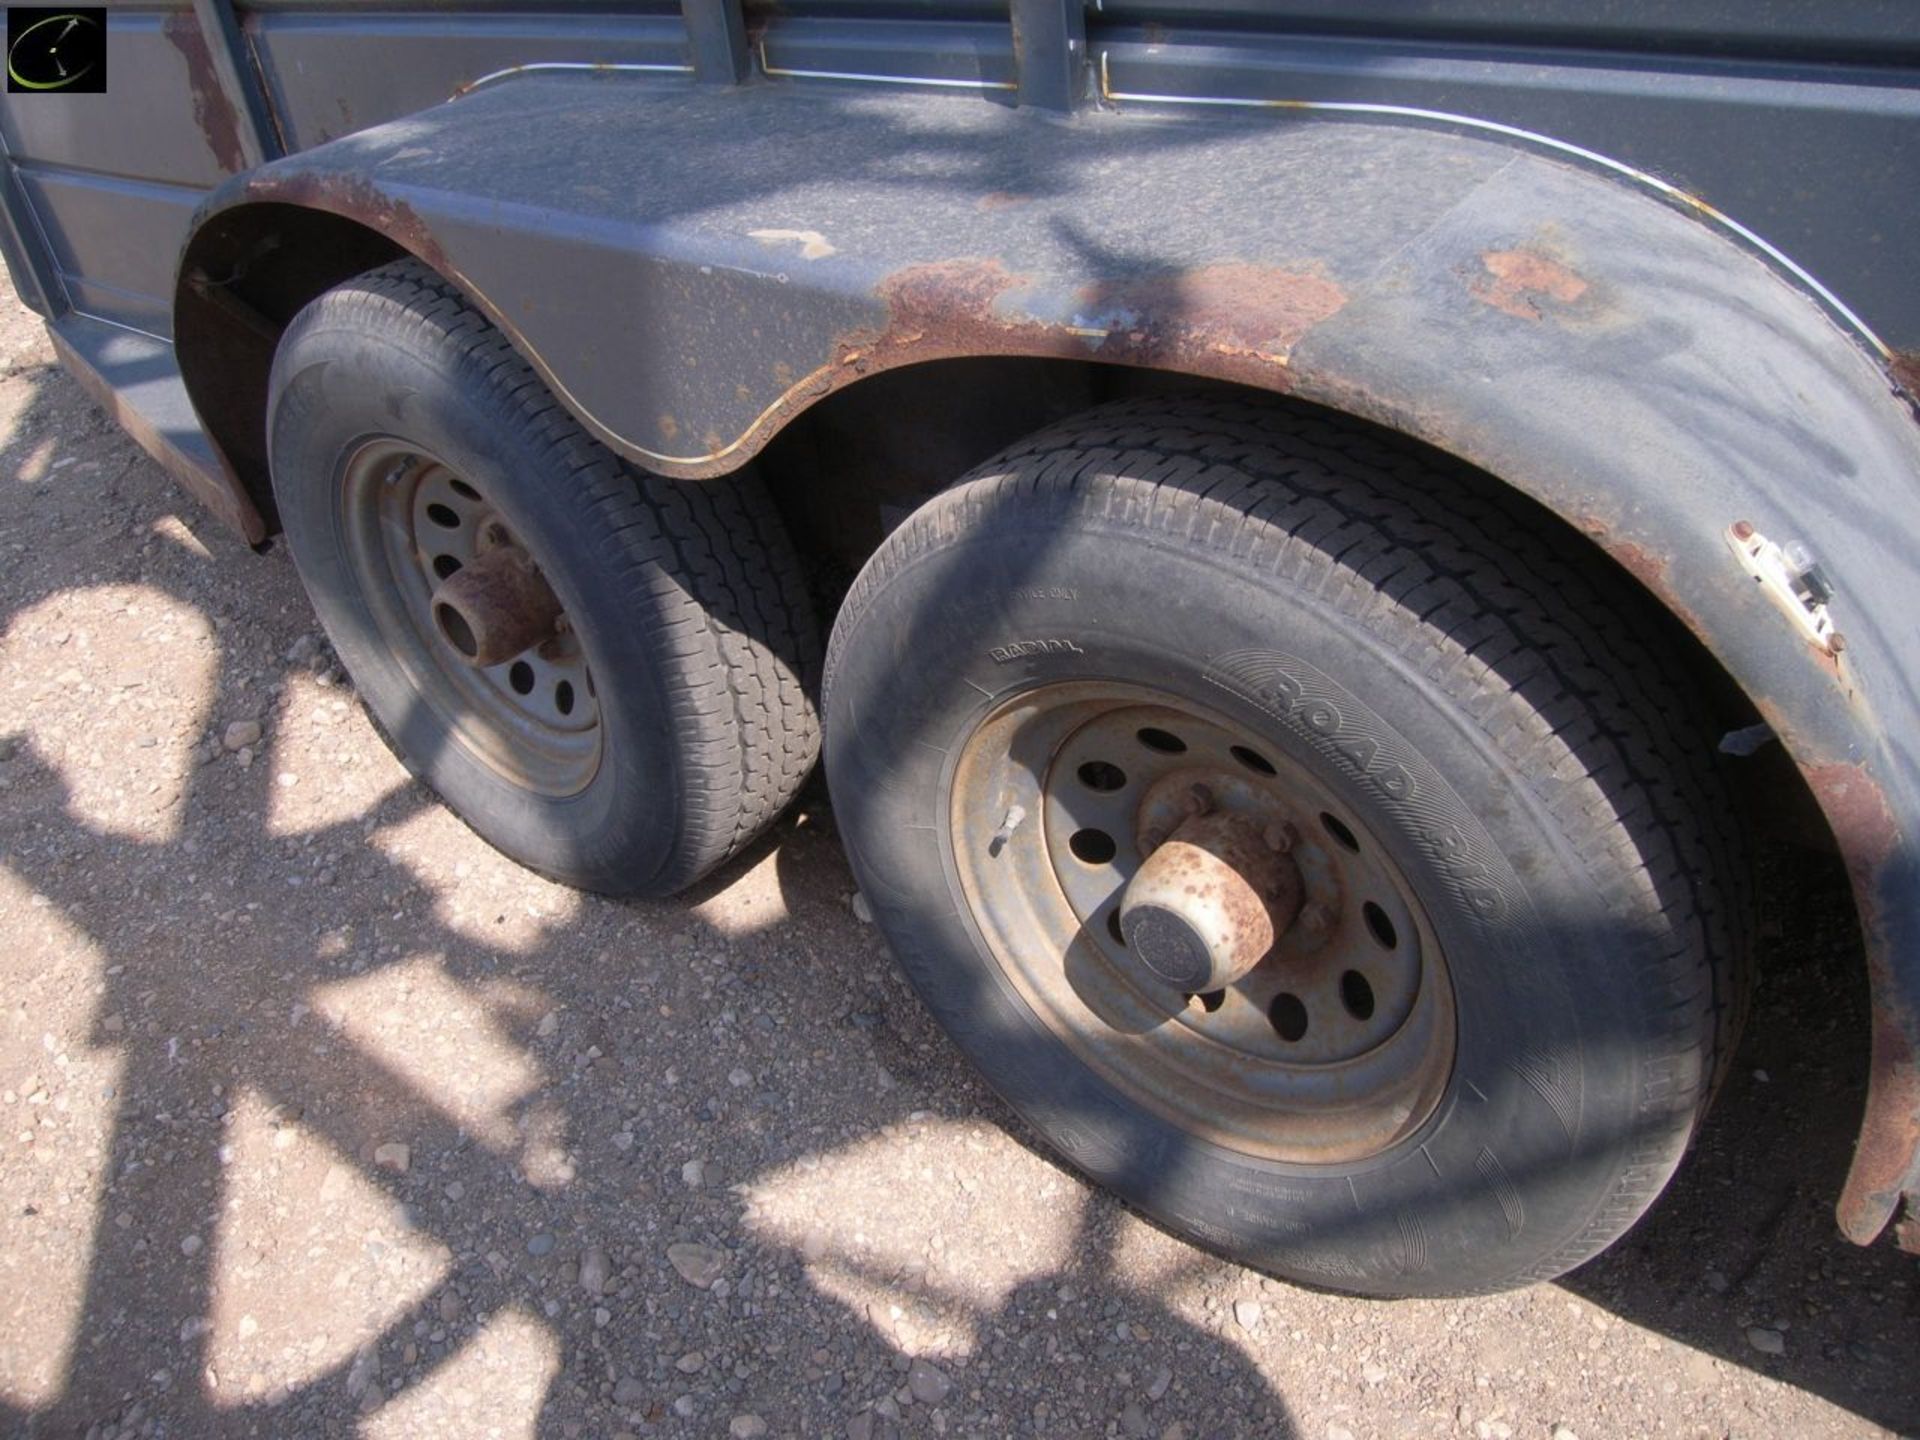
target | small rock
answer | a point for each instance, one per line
(739, 1079)
(363, 1371)
(693, 1174)
(541, 1244)
(455, 1190)
(699, 1265)
(449, 1306)
(1564, 1432)
(334, 1185)
(1767, 1342)
(549, 1023)
(393, 1156)
(747, 1427)
(1133, 1420)
(1373, 1373)
(1339, 1432)
(304, 650)
(1162, 1378)
(690, 1363)
(595, 1271)
(629, 1391)
(1717, 1282)
(1247, 1312)
(240, 734)
(928, 1382)
(862, 911)
(190, 1245)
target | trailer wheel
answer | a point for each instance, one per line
(603, 672)
(1300, 836)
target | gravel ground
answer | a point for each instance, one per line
(322, 1119)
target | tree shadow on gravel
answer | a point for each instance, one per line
(289, 1001)
(259, 1258)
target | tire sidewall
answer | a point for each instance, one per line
(1543, 1113)
(337, 384)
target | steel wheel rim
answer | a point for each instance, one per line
(411, 522)
(1373, 1057)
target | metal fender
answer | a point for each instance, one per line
(689, 269)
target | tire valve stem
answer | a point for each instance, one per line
(1009, 823)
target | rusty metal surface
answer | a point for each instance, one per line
(213, 111)
(496, 606)
(1209, 902)
(694, 206)
(1905, 367)
(1884, 1169)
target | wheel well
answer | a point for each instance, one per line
(245, 274)
(847, 470)
(843, 472)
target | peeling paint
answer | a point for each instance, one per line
(1233, 321)
(813, 245)
(1520, 282)
(354, 196)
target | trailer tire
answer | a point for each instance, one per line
(1424, 695)
(666, 715)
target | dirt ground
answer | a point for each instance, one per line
(321, 1119)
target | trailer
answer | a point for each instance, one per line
(1307, 535)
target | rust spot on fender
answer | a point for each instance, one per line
(1885, 1154)
(355, 197)
(1230, 322)
(1905, 365)
(1234, 321)
(1651, 568)
(212, 111)
(1525, 283)
(1648, 568)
